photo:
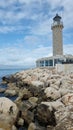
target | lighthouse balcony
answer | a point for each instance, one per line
(57, 23)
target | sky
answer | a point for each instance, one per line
(25, 30)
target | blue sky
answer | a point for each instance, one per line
(25, 29)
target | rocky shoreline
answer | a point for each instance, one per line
(44, 100)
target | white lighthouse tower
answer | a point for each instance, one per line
(57, 27)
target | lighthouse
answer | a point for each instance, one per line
(57, 27)
(58, 58)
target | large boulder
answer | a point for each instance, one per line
(8, 113)
(64, 91)
(52, 93)
(55, 105)
(37, 83)
(6, 104)
(45, 116)
(26, 113)
(6, 121)
(68, 99)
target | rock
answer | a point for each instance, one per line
(63, 91)
(25, 94)
(55, 105)
(5, 79)
(14, 128)
(67, 99)
(45, 100)
(50, 127)
(7, 121)
(64, 115)
(55, 76)
(44, 79)
(56, 87)
(52, 93)
(11, 85)
(60, 114)
(48, 104)
(28, 116)
(10, 92)
(2, 90)
(65, 124)
(33, 101)
(5, 105)
(5, 126)
(8, 113)
(1, 129)
(37, 83)
(35, 90)
(10, 79)
(32, 126)
(20, 122)
(45, 116)
(58, 83)
(66, 83)
(24, 106)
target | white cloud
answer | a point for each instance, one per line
(36, 17)
(22, 56)
(31, 40)
(68, 49)
(5, 29)
(30, 9)
(43, 28)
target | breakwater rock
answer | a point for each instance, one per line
(44, 99)
(8, 113)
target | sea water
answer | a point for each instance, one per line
(5, 72)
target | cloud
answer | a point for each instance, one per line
(22, 56)
(40, 12)
(31, 40)
(33, 18)
(68, 49)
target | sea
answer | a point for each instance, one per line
(5, 72)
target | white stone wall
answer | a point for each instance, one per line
(68, 68)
